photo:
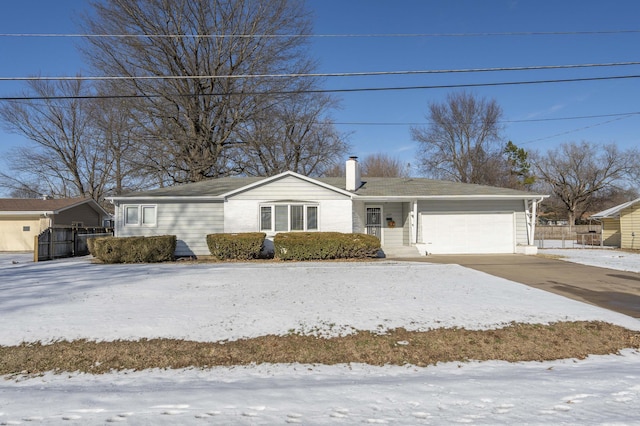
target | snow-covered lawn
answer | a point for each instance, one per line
(75, 298)
(601, 257)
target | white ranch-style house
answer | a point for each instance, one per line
(435, 217)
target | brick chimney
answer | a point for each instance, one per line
(353, 174)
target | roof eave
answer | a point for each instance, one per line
(27, 213)
(280, 176)
(451, 197)
(168, 198)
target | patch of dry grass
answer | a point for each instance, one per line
(550, 256)
(517, 342)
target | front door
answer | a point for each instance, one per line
(374, 222)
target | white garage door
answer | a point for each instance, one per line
(460, 233)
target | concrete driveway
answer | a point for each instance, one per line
(611, 289)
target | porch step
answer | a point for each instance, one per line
(400, 251)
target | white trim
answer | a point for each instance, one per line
(26, 213)
(398, 198)
(614, 212)
(140, 223)
(305, 206)
(282, 175)
(414, 223)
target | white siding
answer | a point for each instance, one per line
(242, 215)
(358, 217)
(289, 188)
(189, 221)
(444, 206)
(242, 211)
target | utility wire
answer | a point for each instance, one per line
(576, 130)
(375, 35)
(340, 74)
(351, 90)
(532, 120)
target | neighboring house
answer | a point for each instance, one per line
(433, 216)
(22, 219)
(621, 225)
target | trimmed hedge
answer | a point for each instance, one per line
(239, 246)
(133, 249)
(324, 245)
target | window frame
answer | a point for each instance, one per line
(290, 208)
(141, 216)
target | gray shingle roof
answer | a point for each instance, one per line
(38, 204)
(417, 187)
(206, 188)
(371, 187)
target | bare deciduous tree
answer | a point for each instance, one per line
(292, 135)
(383, 165)
(463, 140)
(577, 173)
(65, 158)
(226, 53)
(115, 127)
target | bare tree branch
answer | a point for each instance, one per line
(463, 140)
(192, 130)
(577, 173)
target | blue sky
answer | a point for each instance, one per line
(57, 56)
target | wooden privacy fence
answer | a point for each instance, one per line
(54, 243)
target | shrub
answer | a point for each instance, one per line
(240, 246)
(133, 249)
(324, 245)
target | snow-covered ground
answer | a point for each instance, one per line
(75, 298)
(601, 257)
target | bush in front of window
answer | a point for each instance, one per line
(133, 249)
(324, 245)
(239, 246)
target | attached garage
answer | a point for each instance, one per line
(465, 233)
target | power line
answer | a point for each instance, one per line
(577, 130)
(375, 35)
(532, 120)
(351, 90)
(340, 74)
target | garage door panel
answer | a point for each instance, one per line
(468, 233)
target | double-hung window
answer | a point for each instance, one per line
(285, 217)
(140, 215)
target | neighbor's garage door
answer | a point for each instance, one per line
(460, 233)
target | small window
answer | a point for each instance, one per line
(26, 229)
(148, 215)
(312, 218)
(297, 218)
(131, 215)
(265, 218)
(140, 215)
(282, 218)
